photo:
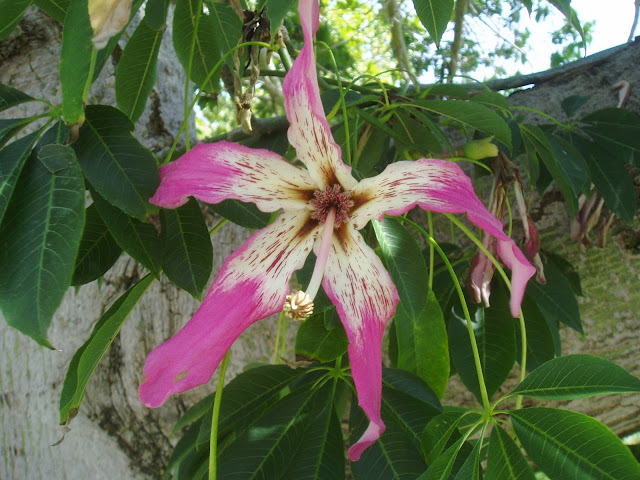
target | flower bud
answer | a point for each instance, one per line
(479, 149)
(108, 17)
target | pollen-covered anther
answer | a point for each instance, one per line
(298, 305)
(331, 197)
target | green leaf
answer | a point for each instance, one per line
(572, 445)
(56, 9)
(615, 126)
(75, 60)
(442, 431)
(137, 70)
(571, 163)
(556, 299)
(140, 240)
(441, 468)
(245, 399)
(572, 104)
(415, 135)
(577, 376)
(570, 14)
(314, 341)
(116, 164)
(434, 15)
(194, 40)
(613, 181)
(505, 460)
(246, 215)
(394, 454)
(471, 469)
(155, 13)
(494, 329)
(87, 357)
(98, 249)
(410, 384)
(188, 255)
(405, 263)
(470, 114)
(298, 437)
(10, 127)
(228, 27)
(538, 146)
(12, 160)
(449, 90)
(10, 97)
(12, 11)
(39, 240)
(492, 99)
(277, 9)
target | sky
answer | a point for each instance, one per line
(613, 18)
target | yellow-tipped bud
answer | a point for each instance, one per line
(298, 305)
(479, 149)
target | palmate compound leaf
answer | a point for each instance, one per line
(572, 446)
(442, 431)
(320, 339)
(87, 357)
(577, 376)
(297, 437)
(39, 240)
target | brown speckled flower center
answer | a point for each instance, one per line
(331, 197)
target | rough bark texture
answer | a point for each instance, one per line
(114, 436)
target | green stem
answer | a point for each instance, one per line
(523, 328)
(472, 338)
(217, 226)
(431, 250)
(213, 442)
(276, 359)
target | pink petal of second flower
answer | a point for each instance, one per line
(251, 285)
(439, 186)
(309, 132)
(358, 284)
(213, 172)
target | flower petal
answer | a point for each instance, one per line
(251, 285)
(216, 171)
(309, 132)
(439, 186)
(358, 284)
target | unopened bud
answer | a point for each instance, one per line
(298, 305)
(479, 149)
(108, 18)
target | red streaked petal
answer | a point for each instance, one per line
(309, 132)
(213, 172)
(251, 285)
(358, 284)
(439, 186)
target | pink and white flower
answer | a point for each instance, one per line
(322, 208)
